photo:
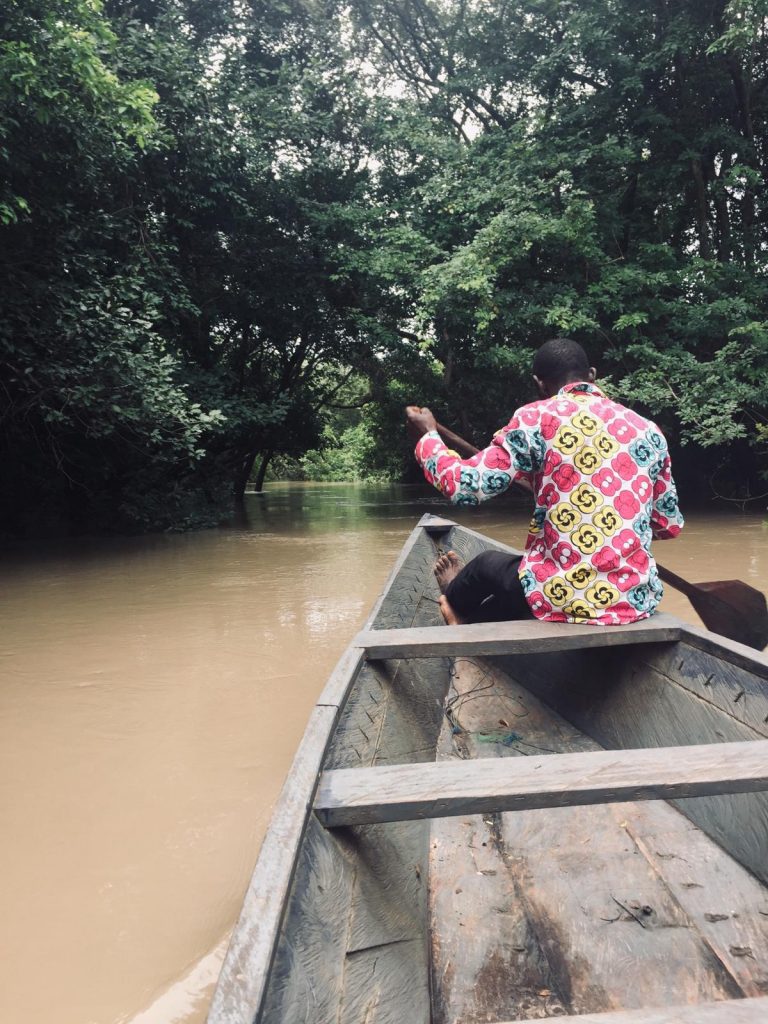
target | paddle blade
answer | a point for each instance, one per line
(732, 609)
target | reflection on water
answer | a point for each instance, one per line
(154, 691)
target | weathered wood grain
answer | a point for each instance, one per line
(306, 980)
(485, 962)
(727, 650)
(352, 943)
(410, 580)
(614, 935)
(385, 985)
(357, 894)
(391, 716)
(393, 712)
(628, 703)
(499, 638)
(340, 681)
(730, 1011)
(540, 890)
(405, 792)
(243, 981)
(288, 872)
(389, 609)
(739, 693)
(726, 904)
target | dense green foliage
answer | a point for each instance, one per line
(222, 223)
(612, 188)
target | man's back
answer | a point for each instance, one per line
(600, 475)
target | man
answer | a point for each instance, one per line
(600, 476)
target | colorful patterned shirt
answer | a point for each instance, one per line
(600, 476)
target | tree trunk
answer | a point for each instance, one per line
(748, 225)
(447, 360)
(743, 89)
(702, 208)
(243, 475)
(743, 92)
(627, 209)
(722, 215)
(265, 460)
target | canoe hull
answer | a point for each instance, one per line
(436, 921)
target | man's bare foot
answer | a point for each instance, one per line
(447, 567)
(450, 616)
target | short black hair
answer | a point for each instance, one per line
(561, 358)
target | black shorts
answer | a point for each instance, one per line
(488, 589)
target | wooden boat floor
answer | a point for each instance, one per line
(730, 1011)
(576, 910)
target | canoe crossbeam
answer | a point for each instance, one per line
(503, 638)
(404, 792)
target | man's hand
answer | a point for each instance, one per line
(419, 421)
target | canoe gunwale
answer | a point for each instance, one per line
(244, 975)
(242, 983)
(721, 647)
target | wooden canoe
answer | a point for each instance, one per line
(513, 822)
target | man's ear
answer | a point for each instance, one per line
(540, 386)
(592, 374)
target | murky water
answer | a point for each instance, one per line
(154, 691)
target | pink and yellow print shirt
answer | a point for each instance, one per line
(600, 475)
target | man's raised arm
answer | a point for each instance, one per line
(474, 479)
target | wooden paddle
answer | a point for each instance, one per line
(728, 607)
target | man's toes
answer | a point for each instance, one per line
(453, 559)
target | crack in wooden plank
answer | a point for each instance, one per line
(645, 852)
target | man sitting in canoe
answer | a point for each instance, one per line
(601, 479)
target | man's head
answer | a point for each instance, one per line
(559, 362)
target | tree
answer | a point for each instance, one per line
(216, 215)
(92, 414)
(606, 183)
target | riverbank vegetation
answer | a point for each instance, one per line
(225, 227)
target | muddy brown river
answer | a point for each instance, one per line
(154, 692)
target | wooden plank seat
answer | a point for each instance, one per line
(356, 796)
(497, 638)
(727, 1011)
